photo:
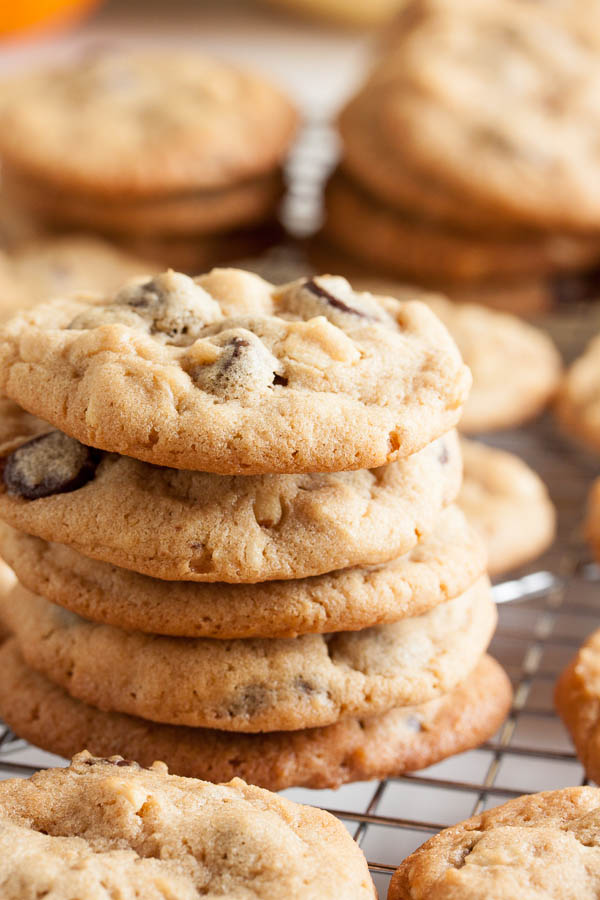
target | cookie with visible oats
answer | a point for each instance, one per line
(439, 568)
(392, 743)
(254, 684)
(109, 827)
(508, 504)
(232, 375)
(537, 846)
(181, 525)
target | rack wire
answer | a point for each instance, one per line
(545, 611)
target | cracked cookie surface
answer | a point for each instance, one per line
(103, 828)
(439, 568)
(540, 846)
(398, 741)
(196, 526)
(229, 374)
(255, 685)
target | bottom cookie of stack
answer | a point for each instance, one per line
(392, 743)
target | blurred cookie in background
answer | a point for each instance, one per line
(508, 504)
(467, 156)
(165, 148)
(50, 267)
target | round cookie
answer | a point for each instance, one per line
(592, 521)
(196, 213)
(508, 504)
(577, 699)
(255, 685)
(578, 401)
(455, 75)
(49, 267)
(109, 828)
(405, 245)
(439, 568)
(538, 846)
(395, 742)
(196, 526)
(516, 367)
(229, 374)
(119, 124)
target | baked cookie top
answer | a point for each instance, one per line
(107, 827)
(516, 367)
(148, 122)
(510, 86)
(439, 568)
(182, 525)
(229, 374)
(578, 400)
(538, 846)
(507, 503)
(255, 685)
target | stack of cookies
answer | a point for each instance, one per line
(468, 156)
(233, 527)
(170, 154)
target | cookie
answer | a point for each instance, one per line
(154, 122)
(439, 568)
(229, 374)
(108, 827)
(516, 367)
(355, 15)
(537, 846)
(577, 698)
(196, 213)
(393, 743)
(508, 504)
(578, 401)
(404, 245)
(255, 685)
(592, 521)
(511, 87)
(196, 526)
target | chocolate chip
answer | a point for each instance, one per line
(575, 287)
(52, 463)
(280, 379)
(243, 366)
(316, 289)
(112, 761)
(252, 699)
(303, 686)
(443, 455)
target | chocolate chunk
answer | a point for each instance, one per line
(112, 761)
(244, 365)
(52, 463)
(316, 289)
(280, 379)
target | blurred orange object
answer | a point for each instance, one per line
(25, 15)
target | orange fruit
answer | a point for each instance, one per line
(29, 14)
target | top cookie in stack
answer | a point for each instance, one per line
(284, 458)
(174, 155)
(231, 375)
(469, 155)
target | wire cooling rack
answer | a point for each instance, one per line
(546, 611)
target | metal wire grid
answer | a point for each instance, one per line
(545, 613)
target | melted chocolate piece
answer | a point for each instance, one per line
(280, 379)
(312, 286)
(52, 463)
